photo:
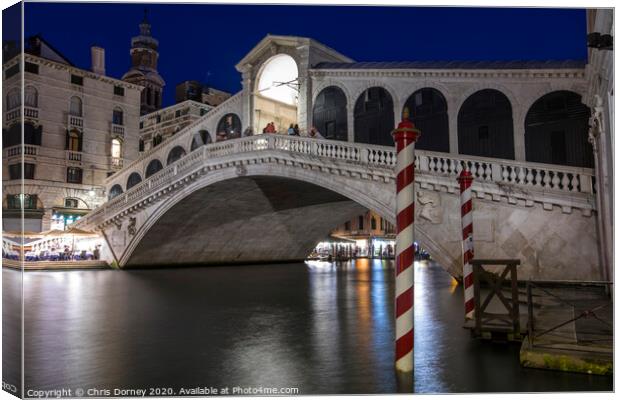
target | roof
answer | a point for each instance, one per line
(38, 46)
(518, 64)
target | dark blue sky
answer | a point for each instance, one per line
(199, 39)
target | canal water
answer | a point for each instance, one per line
(319, 327)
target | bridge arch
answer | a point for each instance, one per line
(485, 125)
(176, 153)
(374, 117)
(329, 113)
(133, 180)
(153, 166)
(556, 130)
(200, 138)
(115, 190)
(428, 110)
(228, 127)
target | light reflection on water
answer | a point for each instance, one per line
(321, 327)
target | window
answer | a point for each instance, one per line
(177, 113)
(31, 67)
(141, 145)
(15, 201)
(71, 203)
(156, 101)
(157, 140)
(158, 118)
(31, 97)
(117, 116)
(75, 108)
(483, 133)
(141, 124)
(360, 222)
(119, 90)
(15, 171)
(373, 223)
(116, 148)
(74, 140)
(13, 99)
(11, 71)
(77, 80)
(148, 96)
(347, 226)
(74, 175)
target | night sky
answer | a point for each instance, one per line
(204, 42)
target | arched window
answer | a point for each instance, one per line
(200, 138)
(153, 167)
(117, 148)
(428, 111)
(374, 117)
(75, 108)
(277, 70)
(31, 97)
(133, 180)
(556, 131)
(329, 115)
(115, 190)
(141, 145)
(176, 153)
(13, 99)
(373, 223)
(74, 140)
(157, 139)
(485, 126)
(229, 126)
(117, 116)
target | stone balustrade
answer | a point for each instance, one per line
(555, 182)
(118, 130)
(29, 150)
(75, 156)
(75, 121)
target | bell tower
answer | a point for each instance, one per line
(144, 54)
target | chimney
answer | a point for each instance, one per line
(97, 56)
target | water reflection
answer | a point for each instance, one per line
(324, 328)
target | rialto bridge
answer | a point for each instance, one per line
(520, 128)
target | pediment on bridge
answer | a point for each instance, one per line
(304, 50)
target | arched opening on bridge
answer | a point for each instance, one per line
(153, 167)
(133, 180)
(276, 94)
(229, 127)
(556, 131)
(175, 154)
(199, 139)
(374, 117)
(115, 190)
(485, 126)
(329, 115)
(428, 111)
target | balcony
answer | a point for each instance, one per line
(75, 121)
(118, 130)
(31, 112)
(15, 151)
(74, 156)
(12, 115)
(117, 163)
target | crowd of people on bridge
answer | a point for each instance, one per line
(270, 128)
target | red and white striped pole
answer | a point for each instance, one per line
(405, 137)
(467, 224)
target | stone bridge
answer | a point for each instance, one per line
(269, 198)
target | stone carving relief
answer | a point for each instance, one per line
(131, 227)
(431, 209)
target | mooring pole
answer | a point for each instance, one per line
(465, 180)
(405, 137)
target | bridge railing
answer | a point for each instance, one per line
(485, 170)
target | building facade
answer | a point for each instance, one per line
(79, 127)
(144, 56)
(374, 236)
(196, 91)
(162, 124)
